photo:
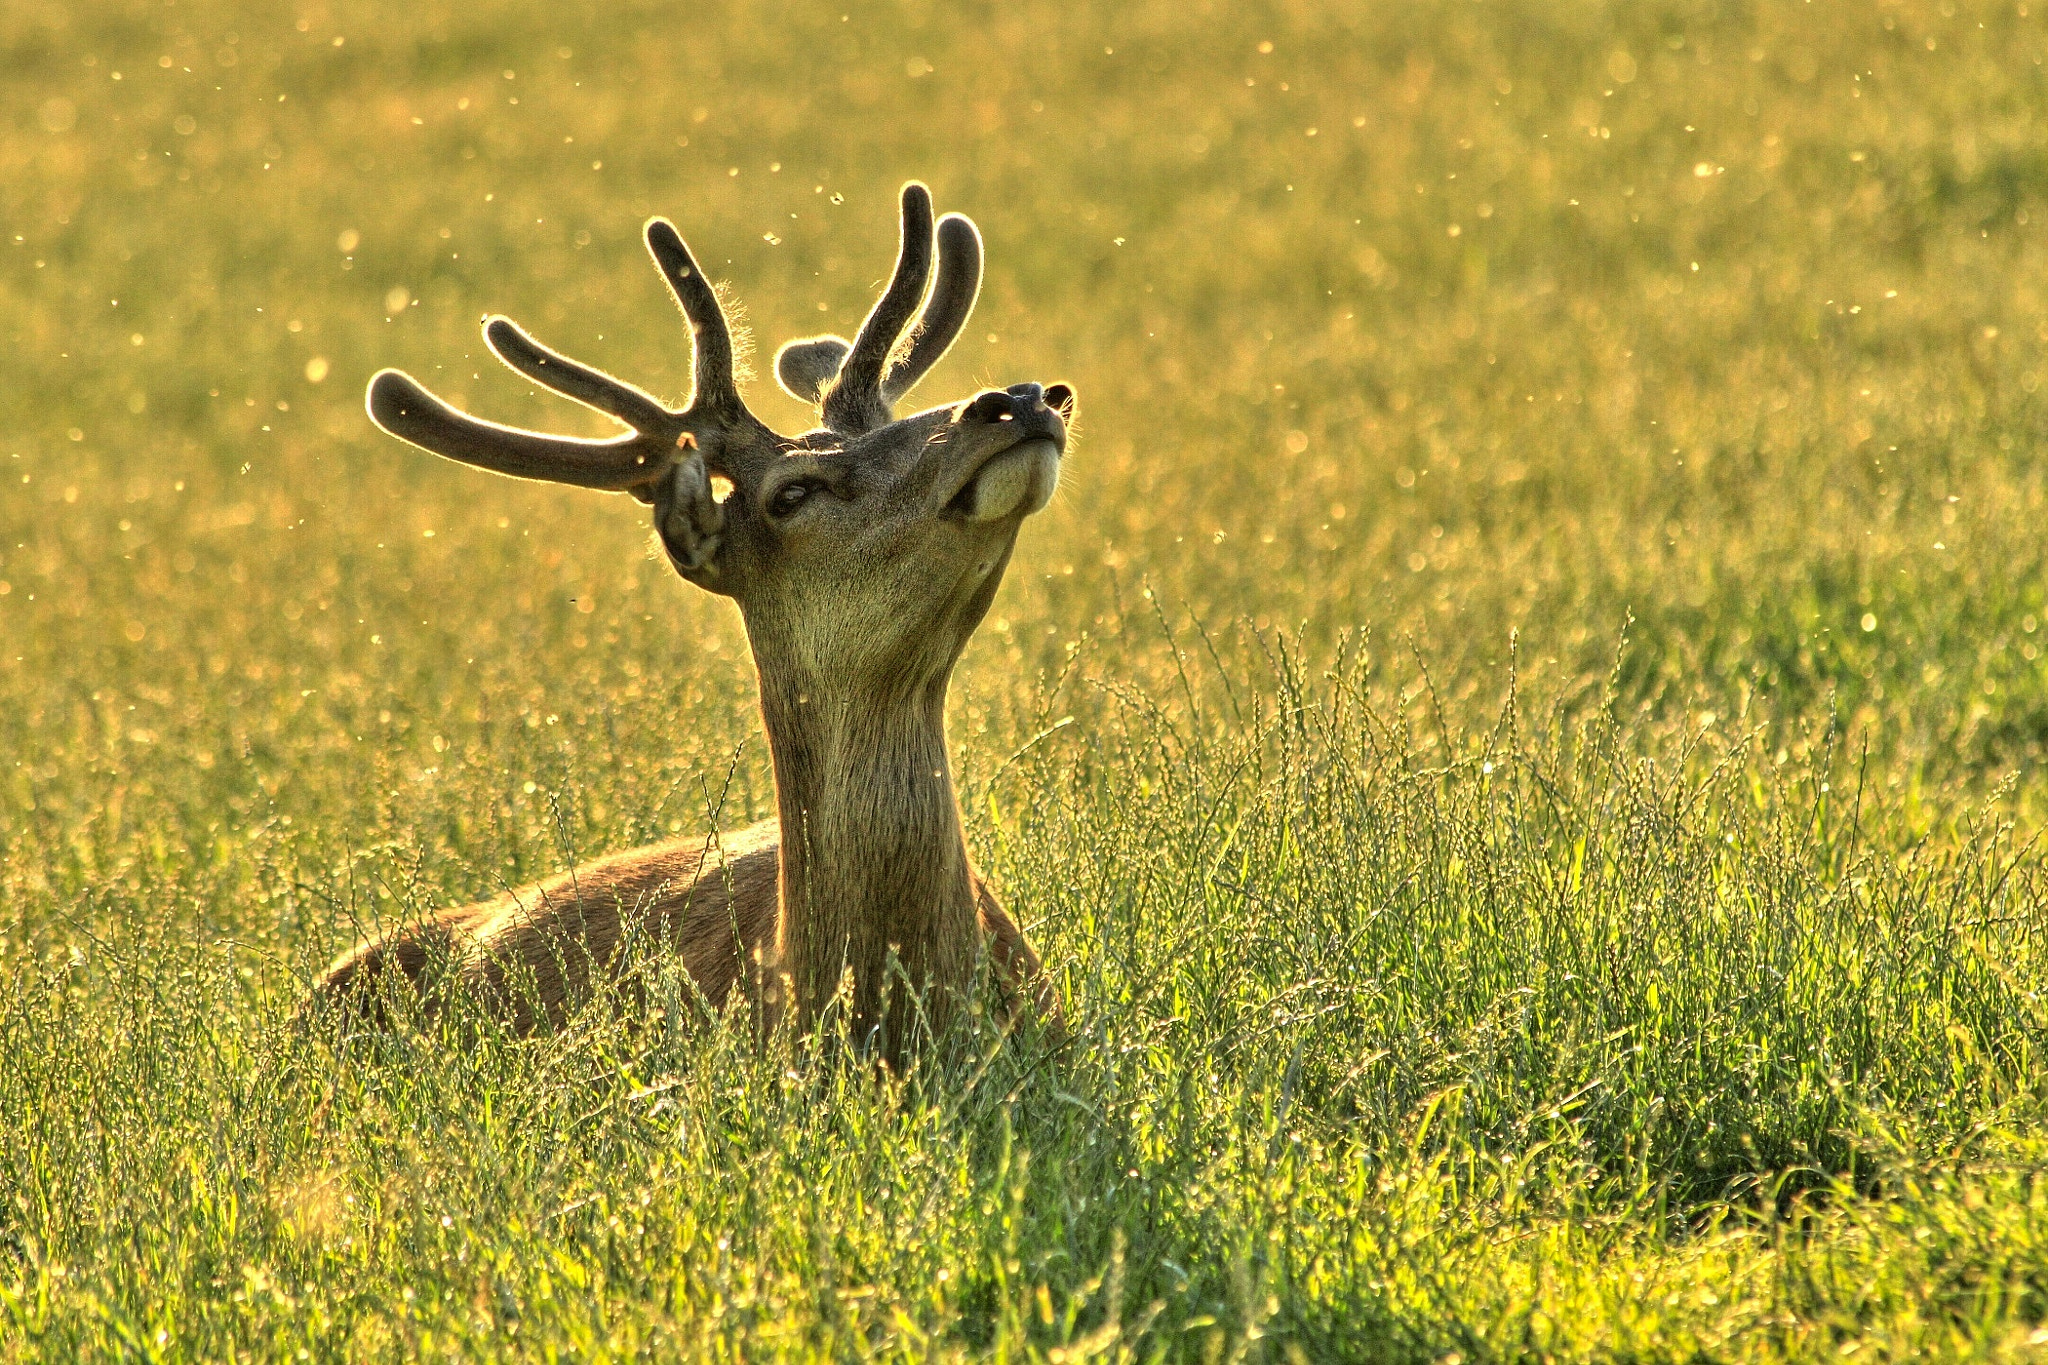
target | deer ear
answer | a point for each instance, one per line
(806, 368)
(691, 521)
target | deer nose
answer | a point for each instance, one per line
(990, 405)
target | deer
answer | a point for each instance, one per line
(861, 555)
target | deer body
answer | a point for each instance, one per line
(707, 903)
(862, 556)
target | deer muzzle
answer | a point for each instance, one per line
(1016, 482)
(1023, 438)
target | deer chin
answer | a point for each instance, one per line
(1017, 482)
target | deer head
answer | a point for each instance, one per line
(863, 552)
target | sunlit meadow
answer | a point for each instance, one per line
(1520, 736)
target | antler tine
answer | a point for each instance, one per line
(590, 387)
(400, 406)
(630, 463)
(716, 391)
(948, 309)
(855, 403)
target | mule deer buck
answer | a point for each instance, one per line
(861, 555)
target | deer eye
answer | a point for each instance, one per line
(790, 497)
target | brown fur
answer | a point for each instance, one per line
(535, 952)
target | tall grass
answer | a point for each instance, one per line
(1520, 737)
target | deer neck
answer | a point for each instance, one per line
(874, 860)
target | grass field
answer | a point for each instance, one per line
(1521, 735)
